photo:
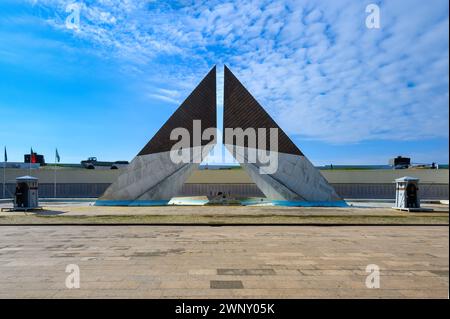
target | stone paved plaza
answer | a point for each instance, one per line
(224, 262)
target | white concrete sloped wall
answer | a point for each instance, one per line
(154, 176)
(294, 178)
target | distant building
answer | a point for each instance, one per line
(34, 158)
(400, 162)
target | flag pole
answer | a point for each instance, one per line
(29, 166)
(54, 187)
(4, 179)
(4, 175)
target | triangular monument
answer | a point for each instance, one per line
(276, 165)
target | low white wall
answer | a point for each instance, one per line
(233, 176)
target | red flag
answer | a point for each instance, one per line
(33, 156)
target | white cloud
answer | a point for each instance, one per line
(163, 98)
(313, 65)
(171, 96)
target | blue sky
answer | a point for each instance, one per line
(346, 94)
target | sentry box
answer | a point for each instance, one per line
(407, 194)
(26, 194)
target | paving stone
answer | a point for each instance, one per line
(225, 262)
(226, 284)
(245, 272)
